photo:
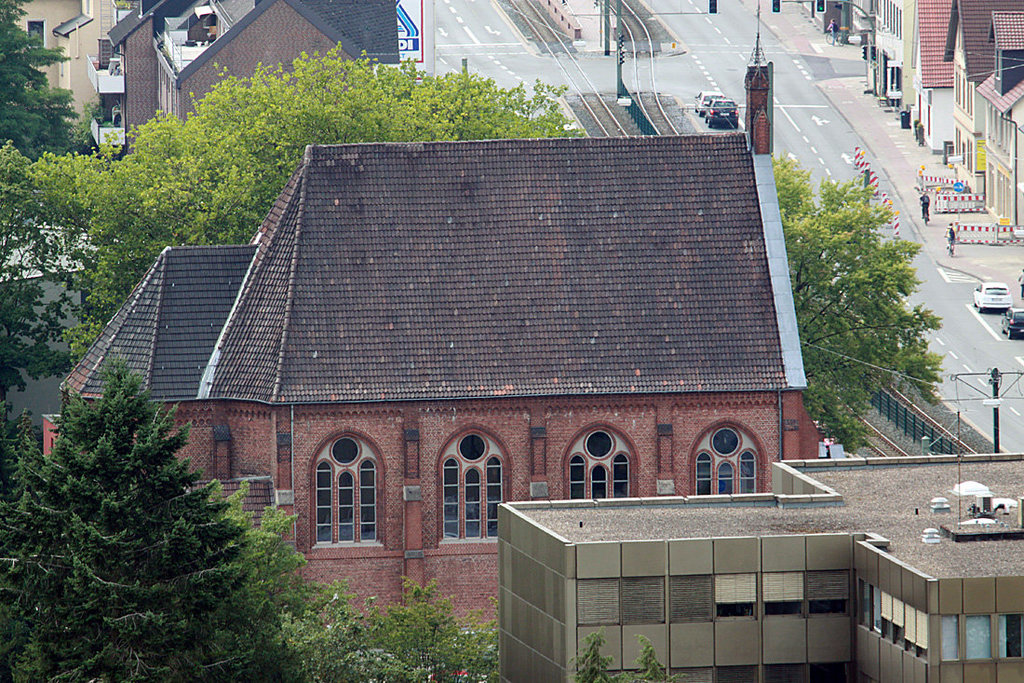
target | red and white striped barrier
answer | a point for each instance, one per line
(896, 223)
(989, 234)
(927, 182)
(954, 202)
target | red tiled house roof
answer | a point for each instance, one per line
(933, 23)
(975, 18)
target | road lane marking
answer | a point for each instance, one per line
(940, 342)
(1019, 359)
(813, 150)
(955, 276)
(828, 173)
(954, 356)
(470, 34)
(491, 30)
(984, 324)
(967, 367)
(821, 161)
(1014, 411)
(460, 20)
(790, 119)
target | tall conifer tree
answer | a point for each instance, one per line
(121, 566)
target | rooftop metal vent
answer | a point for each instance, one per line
(940, 504)
(930, 535)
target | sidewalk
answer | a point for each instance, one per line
(896, 157)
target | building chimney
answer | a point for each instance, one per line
(758, 87)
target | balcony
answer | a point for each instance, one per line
(109, 81)
(107, 133)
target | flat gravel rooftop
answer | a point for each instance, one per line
(886, 498)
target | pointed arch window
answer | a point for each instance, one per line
(726, 462)
(346, 492)
(472, 487)
(599, 465)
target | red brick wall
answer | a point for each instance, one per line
(278, 35)
(140, 76)
(263, 438)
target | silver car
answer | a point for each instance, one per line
(992, 295)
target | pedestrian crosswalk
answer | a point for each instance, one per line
(956, 276)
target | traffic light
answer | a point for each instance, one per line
(776, 6)
(819, 5)
(864, 52)
(712, 6)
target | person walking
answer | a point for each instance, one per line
(1020, 281)
(833, 30)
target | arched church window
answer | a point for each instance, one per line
(472, 487)
(599, 465)
(346, 492)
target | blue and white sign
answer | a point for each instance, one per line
(410, 30)
(958, 186)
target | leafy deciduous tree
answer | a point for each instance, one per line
(32, 302)
(850, 288)
(36, 117)
(211, 178)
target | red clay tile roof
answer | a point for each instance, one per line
(1008, 30)
(1003, 103)
(933, 22)
(974, 17)
(514, 267)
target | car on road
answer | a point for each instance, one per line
(1013, 322)
(724, 112)
(992, 295)
(703, 99)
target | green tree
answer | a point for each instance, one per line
(424, 640)
(36, 117)
(32, 300)
(591, 665)
(121, 567)
(850, 289)
(212, 178)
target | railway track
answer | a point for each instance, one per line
(597, 110)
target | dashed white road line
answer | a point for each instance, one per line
(940, 342)
(1014, 411)
(953, 355)
(813, 150)
(470, 34)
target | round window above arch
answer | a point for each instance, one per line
(345, 450)
(472, 447)
(599, 444)
(725, 441)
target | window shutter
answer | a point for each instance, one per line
(737, 674)
(597, 601)
(922, 629)
(910, 632)
(643, 600)
(828, 585)
(690, 598)
(886, 606)
(695, 675)
(783, 586)
(734, 588)
(784, 673)
(897, 612)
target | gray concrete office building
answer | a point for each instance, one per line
(849, 570)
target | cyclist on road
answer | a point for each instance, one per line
(925, 203)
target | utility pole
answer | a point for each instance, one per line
(994, 380)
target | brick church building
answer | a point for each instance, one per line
(421, 331)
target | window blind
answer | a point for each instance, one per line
(886, 606)
(733, 588)
(828, 585)
(897, 612)
(643, 600)
(690, 598)
(783, 586)
(922, 629)
(910, 632)
(597, 601)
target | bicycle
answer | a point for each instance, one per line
(951, 248)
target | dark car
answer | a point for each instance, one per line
(723, 112)
(1013, 322)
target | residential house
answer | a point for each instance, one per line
(422, 331)
(879, 570)
(164, 55)
(968, 48)
(1002, 99)
(70, 26)
(933, 80)
(894, 26)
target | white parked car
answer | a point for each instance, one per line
(995, 295)
(703, 99)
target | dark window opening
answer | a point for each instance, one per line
(734, 609)
(599, 444)
(345, 450)
(725, 441)
(787, 607)
(577, 478)
(826, 606)
(36, 29)
(472, 447)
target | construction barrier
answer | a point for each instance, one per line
(929, 182)
(958, 202)
(989, 234)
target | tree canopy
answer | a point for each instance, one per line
(36, 117)
(211, 178)
(33, 303)
(850, 286)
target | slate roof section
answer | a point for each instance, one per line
(975, 18)
(933, 23)
(508, 268)
(170, 324)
